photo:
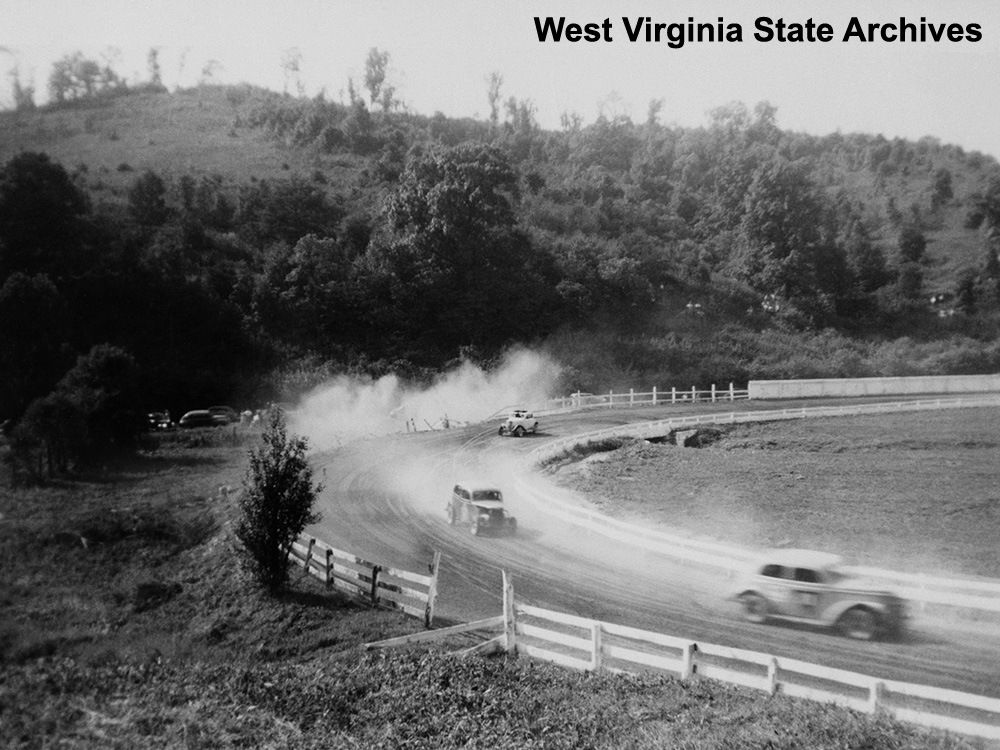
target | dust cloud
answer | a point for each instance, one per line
(349, 408)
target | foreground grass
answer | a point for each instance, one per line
(126, 622)
(412, 700)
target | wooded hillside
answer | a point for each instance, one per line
(238, 245)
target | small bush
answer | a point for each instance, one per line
(277, 502)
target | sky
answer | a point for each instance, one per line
(442, 53)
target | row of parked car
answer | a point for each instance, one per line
(214, 416)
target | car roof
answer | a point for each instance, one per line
(477, 485)
(801, 558)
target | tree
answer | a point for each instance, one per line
(912, 244)
(291, 63)
(376, 68)
(92, 413)
(494, 83)
(77, 77)
(147, 200)
(965, 292)
(24, 95)
(782, 228)
(286, 210)
(41, 216)
(34, 329)
(277, 502)
(457, 268)
(153, 64)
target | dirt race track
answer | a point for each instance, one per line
(384, 499)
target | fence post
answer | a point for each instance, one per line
(375, 571)
(611, 399)
(432, 589)
(309, 552)
(631, 396)
(654, 395)
(694, 394)
(687, 661)
(328, 578)
(673, 395)
(509, 624)
(772, 676)
(732, 392)
(713, 393)
(596, 648)
(875, 696)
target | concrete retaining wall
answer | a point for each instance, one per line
(929, 384)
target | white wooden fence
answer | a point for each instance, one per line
(983, 595)
(583, 644)
(655, 397)
(412, 593)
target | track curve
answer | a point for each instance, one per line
(385, 499)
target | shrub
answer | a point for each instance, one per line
(277, 502)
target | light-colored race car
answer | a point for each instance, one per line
(798, 585)
(480, 505)
(519, 423)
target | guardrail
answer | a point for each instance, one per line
(381, 585)
(584, 644)
(981, 595)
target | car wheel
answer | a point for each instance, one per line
(501, 431)
(858, 623)
(754, 607)
(519, 431)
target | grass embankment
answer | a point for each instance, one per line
(126, 622)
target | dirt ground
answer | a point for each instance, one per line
(918, 492)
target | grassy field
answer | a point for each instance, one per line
(192, 132)
(917, 491)
(126, 622)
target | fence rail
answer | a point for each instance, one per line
(583, 644)
(655, 397)
(983, 595)
(408, 592)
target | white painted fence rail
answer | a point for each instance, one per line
(613, 399)
(983, 595)
(584, 644)
(412, 593)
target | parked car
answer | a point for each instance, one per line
(199, 418)
(159, 420)
(805, 586)
(519, 423)
(224, 414)
(480, 505)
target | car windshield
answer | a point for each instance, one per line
(487, 495)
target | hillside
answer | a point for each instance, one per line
(246, 245)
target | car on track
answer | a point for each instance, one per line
(806, 586)
(480, 506)
(519, 423)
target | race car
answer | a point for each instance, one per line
(519, 423)
(799, 585)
